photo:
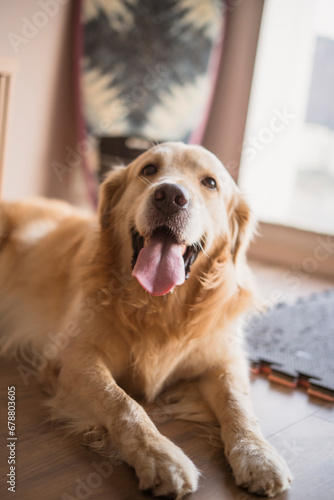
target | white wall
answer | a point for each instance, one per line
(41, 122)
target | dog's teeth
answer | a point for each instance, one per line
(184, 248)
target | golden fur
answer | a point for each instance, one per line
(98, 339)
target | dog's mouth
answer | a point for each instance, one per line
(160, 262)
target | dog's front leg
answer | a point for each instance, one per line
(87, 392)
(255, 463)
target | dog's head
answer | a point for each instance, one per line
(168, 206)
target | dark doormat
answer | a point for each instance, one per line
(294, 344)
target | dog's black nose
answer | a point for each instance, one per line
(170, 198)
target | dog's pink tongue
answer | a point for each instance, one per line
(160, 265)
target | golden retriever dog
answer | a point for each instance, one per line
(123, 305)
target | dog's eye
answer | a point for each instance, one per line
(209, 182)
(149, 170)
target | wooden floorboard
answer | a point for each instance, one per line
(53, 467)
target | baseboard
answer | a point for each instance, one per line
(303, 251)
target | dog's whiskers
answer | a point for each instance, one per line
(199, 244)
(154, 142)
(145, 181)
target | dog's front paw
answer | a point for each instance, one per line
(258, 467)
(163, 468)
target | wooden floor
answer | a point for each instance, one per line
(52, 467)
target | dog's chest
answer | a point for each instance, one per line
(151, 369)
(154, 369)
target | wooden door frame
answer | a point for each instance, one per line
(227, 120)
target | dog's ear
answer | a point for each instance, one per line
(242, 225)
(110, 193)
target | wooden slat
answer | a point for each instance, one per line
(4, 100)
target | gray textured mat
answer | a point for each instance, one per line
(296, 343)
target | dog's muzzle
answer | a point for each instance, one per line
(162, 259)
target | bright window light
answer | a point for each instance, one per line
(287, 165)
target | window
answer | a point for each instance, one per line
(287, 163)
